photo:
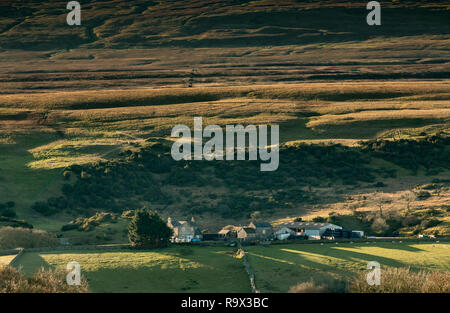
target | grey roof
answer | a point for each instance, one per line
(278, 228)
(262, 224)
(174, 223)
(179, 223)
(249, 230)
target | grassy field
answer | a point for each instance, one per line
(5, 259)
(278, 267)
(175, 269)
(84, 94)
(216, 269)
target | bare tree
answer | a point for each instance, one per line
(409, 197)
(380, 200)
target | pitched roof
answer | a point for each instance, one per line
(278, 228)
(179, 223)
(262, 224)
(249, 230)
(174, 223)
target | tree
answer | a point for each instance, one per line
(380, 200)
(409, 197)
(148, 230)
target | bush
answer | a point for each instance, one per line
(88, 224)
(410, 220)
(8, 213)
(329, 285)
(308, 287)
(429, 186)
(11, 238)
(127, 214)
(403, 280)
(9, 221)
(319, 219)
(43, 208)
(430, 223)
(423, 195)
(69, 226)
(43, 281)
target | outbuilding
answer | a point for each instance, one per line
(282, 233)
(311, 229)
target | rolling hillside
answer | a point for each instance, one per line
(161, 43)
(86, 111)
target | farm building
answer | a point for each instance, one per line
(247, 234)
(311, 229)
(357, 233)
(263, 229)
(184, 231)
(228, 232)
(282, 233)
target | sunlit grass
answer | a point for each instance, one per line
(278, 267)
(6, 259)
(201, 269)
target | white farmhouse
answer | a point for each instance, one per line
(184, 231)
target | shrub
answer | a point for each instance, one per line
(423, 195)
(43, 208)
(403, 280)
(69, 226)
(9, 221)
(43, 281)
(8, 213)
(328, 285)
(66, 175)
(319, 219)
(430, 223)
(127, 214)
(88, 224)
(308, 287)
(410, 220)
(11, 238)
(429, 186)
